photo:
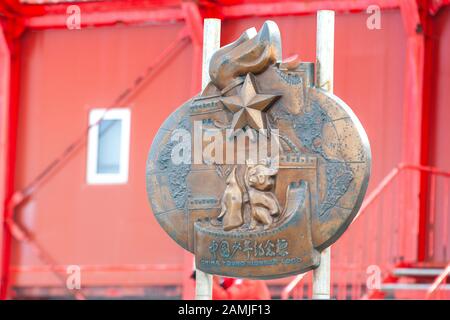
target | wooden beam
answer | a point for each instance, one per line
(324, 80)
(211, 43)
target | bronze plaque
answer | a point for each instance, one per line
(262, 170)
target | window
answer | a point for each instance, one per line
(108, 146)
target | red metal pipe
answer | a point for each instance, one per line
(378, 190)
(390, 177)
(20, 234)
(413, 109)
(431, 231)
(4, 147)
(429, 169)
(428, 105)
(11, 8)
(9, 57)
(107, 18)
(436, 5)
(194, 23)
(446, 213)
(297, 8)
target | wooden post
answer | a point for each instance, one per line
(211, 42)
(324, 80)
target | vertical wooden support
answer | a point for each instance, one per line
(211, 42)
(324, 80)
(194, 26)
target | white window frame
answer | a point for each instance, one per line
(92, 176)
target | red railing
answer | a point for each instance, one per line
(385, 233)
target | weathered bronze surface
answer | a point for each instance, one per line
(264, 214)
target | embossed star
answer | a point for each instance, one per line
(249, 106)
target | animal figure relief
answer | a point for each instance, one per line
(264, 206)
(231, 212)
(259, 181)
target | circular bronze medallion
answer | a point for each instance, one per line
(262, 170)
